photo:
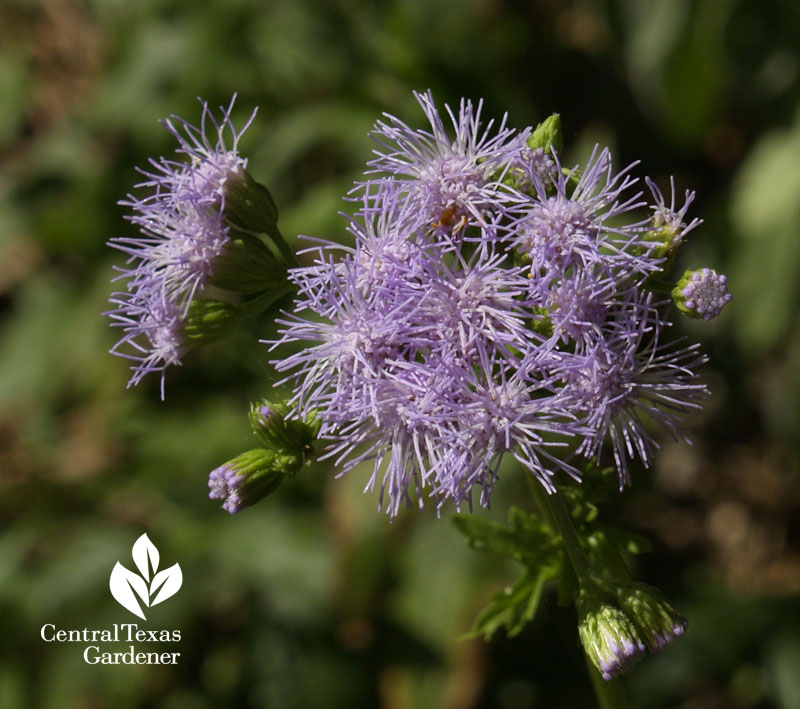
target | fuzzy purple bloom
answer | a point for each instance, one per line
(574, 222)
(629, 373)
(454, 180)
(183, 231)
(477, 316)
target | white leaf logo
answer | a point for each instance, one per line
(169, 580)
(126, 585)
(145, 555)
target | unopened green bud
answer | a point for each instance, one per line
(656, 619)
(210, 320)
(248, 204)
(667, 238)
(250, 477)
(273, 423)
(608, 636)
(547, 135)
(246, 265)
(537, 159)
(249, 208)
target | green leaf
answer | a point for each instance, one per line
(765, 258)
(528, 540)
(625, 540)
(584, 497)
(514, 607)
(605, 546)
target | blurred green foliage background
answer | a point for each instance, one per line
(312, 598)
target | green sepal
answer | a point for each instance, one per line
(667, 240)
(246, 265)
(263, 472)
(547, 135)
(609, 638)
(248, 204)
(657, 620)
(287, 435)
(249, 208)
(210, 320)
(680, 299)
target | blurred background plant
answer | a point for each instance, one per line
(312, 598)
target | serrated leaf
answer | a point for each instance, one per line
(145, 555)
(167, 583)
(515, 606)
(534, 596)
(123, 583)
(527, 540)
(490, 620)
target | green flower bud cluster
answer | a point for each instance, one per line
(608, 636)
(619, 621)
(251, 476)
(272, 424)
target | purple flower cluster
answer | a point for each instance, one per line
(703, 293)
(223, 484)
(492, 302)
(182, 232)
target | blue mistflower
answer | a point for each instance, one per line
(406, 348)
(630, 375)
(575, 222)
(493, 303)
(454, 181)
(182, 232)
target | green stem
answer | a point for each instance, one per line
(540, 498)
(260, 303)
(557, 516)
(277, 238)
(609, 695)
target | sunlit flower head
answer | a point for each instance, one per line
(182, 232)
